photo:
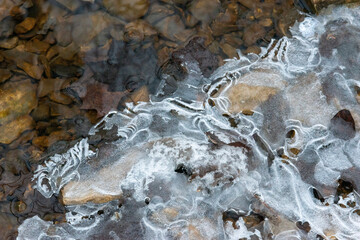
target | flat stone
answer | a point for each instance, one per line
(16, 99)
(25, 26)
(36, 46)
(253, 89)
(60, 98)
(128, 9)
(103, 186)
(9, 43)
(48, 85)
(5, 74)
(12, 130)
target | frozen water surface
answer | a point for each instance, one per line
(249, 154)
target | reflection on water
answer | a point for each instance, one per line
(267, 147)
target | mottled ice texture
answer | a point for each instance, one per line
(267, 162)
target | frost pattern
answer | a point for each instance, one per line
(61, 169)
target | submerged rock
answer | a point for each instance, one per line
(128, 9)
(16, 99)
(12, 130)
(342, 125)
(25, 26)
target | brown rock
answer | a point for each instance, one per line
(16, 99)
(36, 46)
(25, 26)
(48, 85)
(229, 50)
(138, 31)
(253, 49)
(18, 12)
(9, 43)
(128, 9)
(4, 75)
(34, 71)
(42, 112)
(12, 130)
(29, 62)
(23, 139)
(103, 186)
(253, 89)
(59, 97)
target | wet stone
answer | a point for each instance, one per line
(11, 131)
(25, 26)
(6, 27)
(342, 125)
(128, 9)
(36, 46)
(16, 99)
(9, 43)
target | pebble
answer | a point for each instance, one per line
(25, 26)
(36, 46)
(128, 9)
(9, 43)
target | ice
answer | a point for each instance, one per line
(176, 166)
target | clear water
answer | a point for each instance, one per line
(237, 161)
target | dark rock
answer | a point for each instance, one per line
(305, 226)
(342, 125)
(6, 27)
(181, 168)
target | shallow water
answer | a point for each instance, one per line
(237, 155)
